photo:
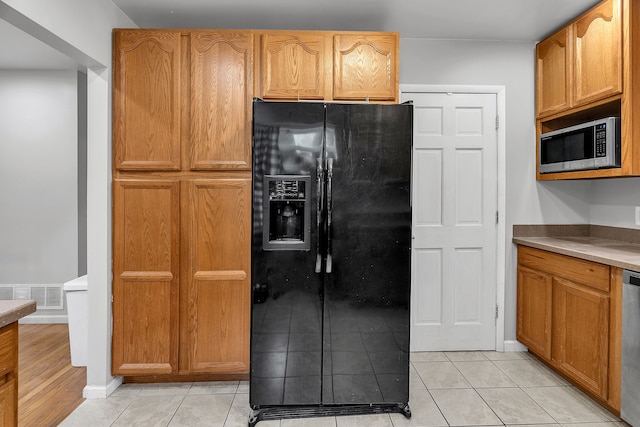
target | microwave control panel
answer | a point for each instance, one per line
(601, 140)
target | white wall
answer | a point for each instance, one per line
(82, 30)
(38, 172)
(613, 202)
(508, 64)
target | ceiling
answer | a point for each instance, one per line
(512, 20)
(524, 20)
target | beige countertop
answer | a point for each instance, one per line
(12, 310)
(619, 247)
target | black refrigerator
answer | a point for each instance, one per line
(331, 259)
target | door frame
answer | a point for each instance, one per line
(500, 92)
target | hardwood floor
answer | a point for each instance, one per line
(49, 388)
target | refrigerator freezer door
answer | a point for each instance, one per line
(286, 332)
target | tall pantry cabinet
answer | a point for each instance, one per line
(181, 202)
(182, 102)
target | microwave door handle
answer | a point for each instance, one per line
(329, 266)
(319, 196)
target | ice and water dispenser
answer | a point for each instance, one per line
(287, 212)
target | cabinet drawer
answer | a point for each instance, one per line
(581, 271)
(8, 348)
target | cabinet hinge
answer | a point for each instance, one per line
(497, 121)
(496, 311)
(497, 217)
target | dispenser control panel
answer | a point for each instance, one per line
(282, 189)
(287, 213)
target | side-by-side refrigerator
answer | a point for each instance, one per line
(331, 259)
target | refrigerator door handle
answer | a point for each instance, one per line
(320, 197)
(329, 266)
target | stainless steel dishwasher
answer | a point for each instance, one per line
(630, 398)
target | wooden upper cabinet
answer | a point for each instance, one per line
(221, 93)
(582, 62)
(146, 107)
(294, 65)
(598, 53)
(553, 70)
(365, 66)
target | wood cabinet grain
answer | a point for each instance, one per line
(533, 324)
(554, 71)
(598, 53)
(365, 66)
(328, 65)
(221, 92)
(219, 277)
(295, 65)
(581, 334)
(9, 375)
(146, 100)
(146, 224)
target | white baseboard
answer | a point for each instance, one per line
(43, 319)
(514, 346)
(101, 392)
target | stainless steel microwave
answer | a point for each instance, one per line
(592, 145)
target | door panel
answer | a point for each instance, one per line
(146, 235)
(455, 205)
(147, 93)
(581, 326)
(533, 327)
(598, 53)
(221, 88)
(294, 65)
(219, 275)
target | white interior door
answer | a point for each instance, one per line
(455, 204)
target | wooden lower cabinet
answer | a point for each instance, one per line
(146, 243)
(181, 287)
(9, 375)
(217, 306)
(9, 403)
(569, 315)
(534, 310)
(580, 340)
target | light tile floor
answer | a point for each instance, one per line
(446, 389)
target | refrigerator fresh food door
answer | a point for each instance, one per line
(367, 281)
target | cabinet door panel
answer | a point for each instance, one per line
(581, 334)
(221, 94)
(9, 403)
(553, 73)
(146, 108)
(8, 349)
(219, 282)
(533, 327)
(145, 279)
(365, 66)
(294, 65)
(598, 53)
